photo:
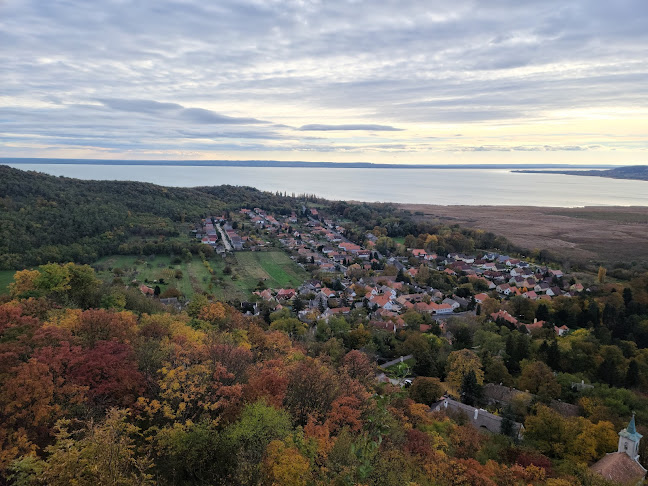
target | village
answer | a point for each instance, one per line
(348, 275)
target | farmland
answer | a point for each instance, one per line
(275, 268)
(232, 278)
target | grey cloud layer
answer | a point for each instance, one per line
(156, 73)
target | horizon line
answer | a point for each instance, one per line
(284, 164)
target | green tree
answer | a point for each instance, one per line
(507, 426)
(259, 425)
(471, 391)
(426, 390)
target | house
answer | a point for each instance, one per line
(335, 312)
(521, 272)
(562, 330)
(480, 298)
(503, 289)
(383, 301)
(146, 290)
(285, 294)
(530, 295)
(479, 417)
(452, 303)
(553, 291)
(502, 314)
(441, 308)
(535, 326)
(327, 293)
(623, 466)
(577, 287)
(419, 253)
(265, 294)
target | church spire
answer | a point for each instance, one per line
(632, 429)
(629, 440)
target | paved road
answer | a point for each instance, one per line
(226, 242)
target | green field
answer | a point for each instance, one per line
(275, 268)
(195, 277)
(6, 277)
(246, 269)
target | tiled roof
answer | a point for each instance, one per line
(620, 468)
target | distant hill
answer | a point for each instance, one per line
(44, 218)
(636, 172)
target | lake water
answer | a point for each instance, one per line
(420, 186)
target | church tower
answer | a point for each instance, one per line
(629, 440)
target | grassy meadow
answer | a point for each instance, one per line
(233, 278)
(6, 277)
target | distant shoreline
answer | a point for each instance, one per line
(298, 164)
(634, 172)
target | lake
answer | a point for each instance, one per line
(498, 187)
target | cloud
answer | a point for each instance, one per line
(139, 106)
(195, 115)
(244, 74)
(326, 128)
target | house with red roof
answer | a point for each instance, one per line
(480, 298)
(502, 314)
(285, 294)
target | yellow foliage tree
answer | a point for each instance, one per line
(460, 363)
(284, 465)
(212, 313)
(24, 281)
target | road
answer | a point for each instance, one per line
(226, 241)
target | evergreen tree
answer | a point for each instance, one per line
(472, 304)
(632, 375)
(298, 304)
(608, 373)
(511, 362)
(542, 312)
(507, 426)
(471, 391)
(553, 356)
(425, 365)
(627, 296)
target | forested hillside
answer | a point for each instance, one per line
(211, 396)
(56, 219)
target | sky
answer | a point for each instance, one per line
(497, 81)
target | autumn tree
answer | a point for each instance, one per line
(358, 366)
(601, 275)
(538, 378)
(284, 465)
(101, 455)
(312, 388)
(460, 363)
